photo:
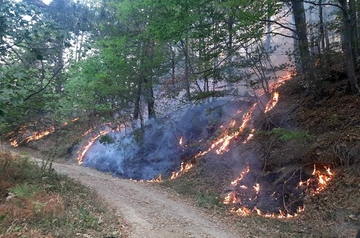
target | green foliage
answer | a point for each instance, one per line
(86, 217)
(208, 200)
(38, 206)
(287, 135)
(106, 139)
(24, 190)
(29, 63)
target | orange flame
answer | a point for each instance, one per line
(244, 172)
(223, 142)
(250, 136)
(272, 103)
(34, 136)
(86, 147)
(242, 211)
(230, 198)
(320, 180)
(183, 169)
(89, 144)
(156, 180)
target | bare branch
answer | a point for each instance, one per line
(279, 24)
(46, 85)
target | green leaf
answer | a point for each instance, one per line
(2, 217)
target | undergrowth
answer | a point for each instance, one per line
(287, 135)
(35, 201)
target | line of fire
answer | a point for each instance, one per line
(275, 194)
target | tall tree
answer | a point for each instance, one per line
(348, 47)
(302, 40)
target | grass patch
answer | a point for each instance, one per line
(24, 190)
(192, 189)
(195, 184)
(41, 203)
(288, 135)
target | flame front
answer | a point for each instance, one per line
(183, 169)
(321, 180)
(222, 143)
(86, 147)
(243, 198)
(34, 136)
(272, 103)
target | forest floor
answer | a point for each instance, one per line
(150, 211)
(190, 207)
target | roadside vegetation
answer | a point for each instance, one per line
(36, 202)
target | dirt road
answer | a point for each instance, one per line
(150, 211)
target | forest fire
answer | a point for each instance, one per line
(26, 138)
(223, 142)
(272, 103)
(91, 141)
(184, 167)
(323, 179)
(33, 136)
(286, 193)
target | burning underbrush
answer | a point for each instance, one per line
(25, 135)
(274, 194)
(171, 144)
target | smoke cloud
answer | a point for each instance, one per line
(155, 149)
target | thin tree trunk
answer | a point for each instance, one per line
(353, 30)
(347, 47)
(321, 27)
(173, 76)
(148, 78)
(138, 99)
(230, 50)
(187, 69)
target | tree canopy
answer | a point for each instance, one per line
(81, 58)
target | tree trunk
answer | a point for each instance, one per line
(230, 24)
(173, 65)
(347, 47)
(138, 99)
(302, 40)
(187, 69)
(353, 30)
(148, 79)
(321, 27)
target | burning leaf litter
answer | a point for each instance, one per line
(275, 195)
(33, 136)
(25, 135)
